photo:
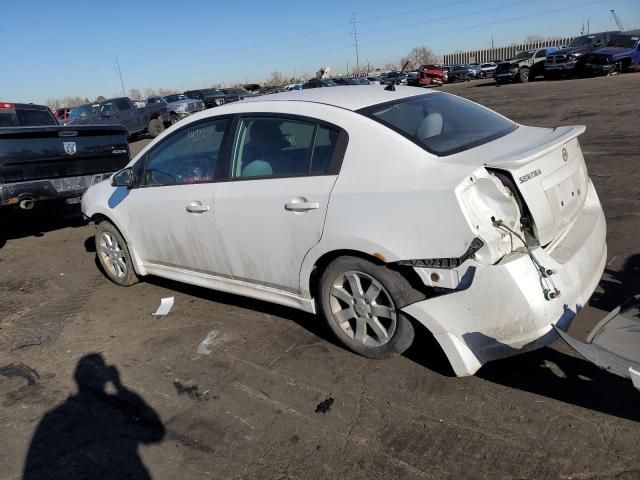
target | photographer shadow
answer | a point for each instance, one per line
(94, 434)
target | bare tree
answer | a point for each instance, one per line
(275, 80)
(53, 103)
(150, 92)
(134, 94)
(100, 98)
(390, 66)
(419, 56)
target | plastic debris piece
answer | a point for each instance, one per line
(325, 406)
(165, 306)
(191, 390)
(208, 341)
(20, 370)
(635, 378)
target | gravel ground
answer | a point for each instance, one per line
(248, 409)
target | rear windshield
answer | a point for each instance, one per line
(440, 123)
(22, 117)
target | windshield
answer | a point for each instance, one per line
(525, 54)
(440, 123)
(624, 41)
(81, 111)
(585, 41)
(177, 97)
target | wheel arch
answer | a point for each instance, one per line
(99, 217)
(377, 258)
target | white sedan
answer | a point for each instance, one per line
(380, 210)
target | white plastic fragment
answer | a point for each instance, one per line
(635, 378)
(165, 306)
(209, 340)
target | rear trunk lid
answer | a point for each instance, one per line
(549, 171)
(41, 153)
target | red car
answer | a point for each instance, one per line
(62, 114)
(431, 76)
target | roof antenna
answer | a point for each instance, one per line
(392, 86)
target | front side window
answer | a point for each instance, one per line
(188, 156)
(440, 123)
(280, 147)
(543, 53)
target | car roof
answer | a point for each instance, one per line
(350, 97)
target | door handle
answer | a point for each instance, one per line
(197, 207)
(301, 204)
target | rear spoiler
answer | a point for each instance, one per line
(530, 152)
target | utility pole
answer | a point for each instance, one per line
(124, 93)
(354, 32)
(588, 22)
(492, 41)
(347, 67)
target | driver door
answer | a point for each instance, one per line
(171, 212)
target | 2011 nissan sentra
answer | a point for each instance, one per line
(381, 210)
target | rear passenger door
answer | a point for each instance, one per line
(270, 209)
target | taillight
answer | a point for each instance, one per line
(6, 105)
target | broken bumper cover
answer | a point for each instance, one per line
(50, 189)
(502, 310)
(614, 344)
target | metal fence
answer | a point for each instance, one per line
(499, 53)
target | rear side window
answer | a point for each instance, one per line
(122, 104)
(281, 147)
(8, 118)
(440, 123)
(34, 118)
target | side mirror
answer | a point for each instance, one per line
(123, 178)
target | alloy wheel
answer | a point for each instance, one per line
(363, 309)
(112, 256)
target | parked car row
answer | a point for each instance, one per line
(593, 54)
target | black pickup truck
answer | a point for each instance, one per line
(151, 118)
(42, 160)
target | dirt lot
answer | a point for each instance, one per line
(248, 409)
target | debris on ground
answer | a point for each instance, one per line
(190, 390)
(165, 307)
(325, 406)
(208, 341)
(20, 370)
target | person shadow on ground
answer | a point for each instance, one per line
(94, 434)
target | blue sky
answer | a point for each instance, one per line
(58, 48)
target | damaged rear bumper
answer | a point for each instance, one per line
(502, 310)
(614, 344)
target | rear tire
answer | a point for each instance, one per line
(174, 119)
(155, 128)
(113, 255)
(361, 303)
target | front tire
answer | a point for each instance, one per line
(361, 303)
(113, 255)
(523, 75)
